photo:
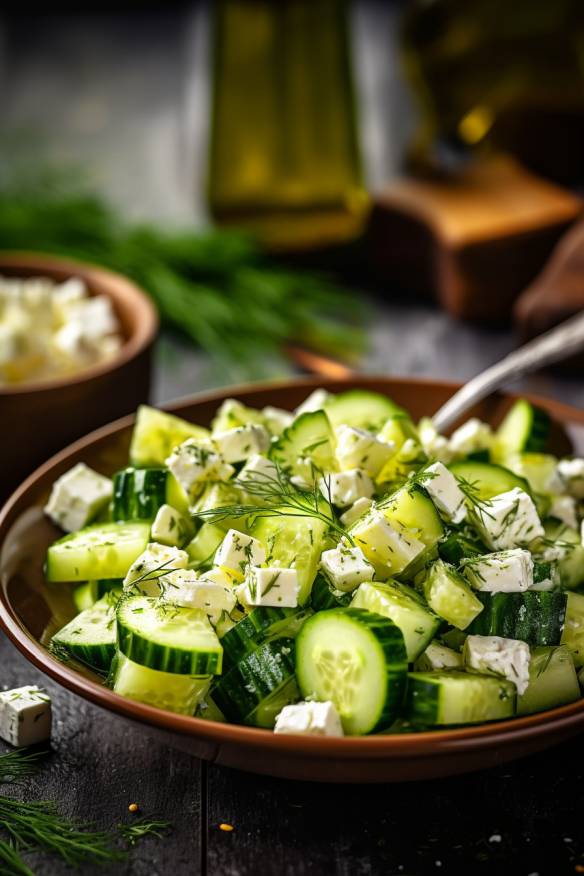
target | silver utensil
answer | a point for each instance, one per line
(559, 343)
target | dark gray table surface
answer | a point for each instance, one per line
(128, 94)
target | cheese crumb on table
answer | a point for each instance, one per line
(77, 497)
(309, 719)
(507, 657)
(25, 716)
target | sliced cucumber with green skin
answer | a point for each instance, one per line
(450, 596)
(261, 625)
(552, 680)
(266, 713)
(457, 547)
(571, 567)
(203, 546)
(297, 541)
(325, 596)
(220, 495)
(412, 508)
(157, 433)
(357, 660)
(538, 469)
(488, 479)
(361, 409)
(573, 635)
(399, 428)
(451, 697)
(86, 595)
(91, 636)
(525, 428)
(140, 492)
(310, 437)
(256, 679)
(83, 596)
(164, 690)
(535, 617)
(168, 637)
(104, 550)
(405, 608)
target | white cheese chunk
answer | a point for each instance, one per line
(192, 463)
(507, 657)
(257, 471)
(236, 445)
(77, 497)
(437, 656)
(309, 719)
(471, 437)
(502, 572)
(25, 716)
(435, 446)
(149, 571)
(445, 492)
(357, 448)
(571, 471)
(314, 402)
(346, 567)
(237, 551)
(95, 314)
(271, 586)
(184, 587)
(345, 487)
(385, 547)
(356, 511)
(565, 508)
(277, 419)
(508, 520)
(170, 527)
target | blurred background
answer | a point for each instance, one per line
(380, 183)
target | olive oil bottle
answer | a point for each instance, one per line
(284, 157)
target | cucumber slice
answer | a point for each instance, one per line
(324, 595)
(488, 479)
(100, 551)
(361, 409)
(412, 508)
(263, 624)
(168, 637)
(293, 541)
(573, 635)
(266, 713)
(535, 617)
(165, 690)
(256, 680)
(552, 681)
(525, 428)
(91, 636)
(308, 441)
(220, 495)
(451, 697)
(457, 547)
(438, 657)
(409, 459)
(203, 546)
(356, 659)
(83, 597)
(405, 608)
(140, 492)
(157, 433)
(86, 595)
(233, 414)
(539, 469)
(450, 596)
(399, 428)
(571, 565)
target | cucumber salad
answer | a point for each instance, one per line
(338, 570)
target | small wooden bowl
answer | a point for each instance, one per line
(32, 610)
(39, 418)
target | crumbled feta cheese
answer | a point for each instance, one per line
(346, 567)
(471, 437)
(502, 572)
(236, 445)
(271, 586)
(170, 527)
(309, 719)
(437, 656)
(564, 508)
(507, 657)
(571, 472)
(154, 564)
(436, 446)
(356, 511)
(77, 497)
(445, 492)
(277, 419)
(508, 520)
(25, 716)
(386, 549)
(357, 448)
(237, 551)
(95, 314)
(192, 463)
(258, 470)
(314, 402)
(345, 487)
(69, 342)
(185, 587)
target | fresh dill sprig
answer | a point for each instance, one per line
(472, 493)
(15, 765)
(141, 828)
(11, 863)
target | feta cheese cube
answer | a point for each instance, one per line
(346, 567)
(170, 527)
(69, 343)
(238, 444)
(277, 419)
(257, 471)
(357, 448)
(508, 520)
(502, 572)
(314, 402)
(149, 571)
(471, 437)
(309, 719)
(271, 586)
(345, 487)
(564, 508)
(445, 492)
(571, 471)
(436, 446)
(494, 654)
(192, 463)
(77, 497)
(25, 716)
(356, 511)
(437, 656)
(184, 587)
(95, 314)
(387, 550)
(237, 551)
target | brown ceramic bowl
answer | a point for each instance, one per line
(42, 417)
(31, 610)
